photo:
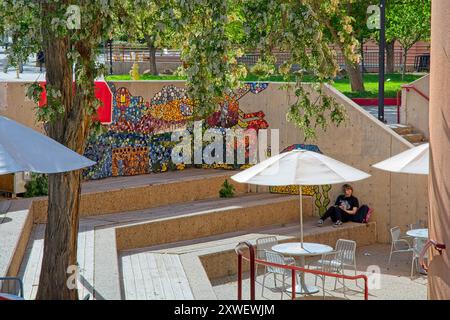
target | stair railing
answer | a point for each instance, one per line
(409, 87)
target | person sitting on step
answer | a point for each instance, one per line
(344, 209)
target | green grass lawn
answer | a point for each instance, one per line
(392, 85)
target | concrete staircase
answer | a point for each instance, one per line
(409, 133)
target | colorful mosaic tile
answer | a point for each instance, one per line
(130, 161)
(139, 138)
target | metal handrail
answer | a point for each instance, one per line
(399, 103)
(293, 269)
(430, 243)
(408, 87)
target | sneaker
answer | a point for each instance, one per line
(337, 224)
(320, 223)
(368, 215)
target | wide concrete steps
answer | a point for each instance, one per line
(30, 268)
(122, 194)
(204, 218)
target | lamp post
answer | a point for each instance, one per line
(381, 61)
(110, 42)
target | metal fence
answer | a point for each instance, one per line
(132, 53)
(417, 58)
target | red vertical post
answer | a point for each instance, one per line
(239, 277)
(251, 250)
(293, 285)
(366, 289)
(399, 101)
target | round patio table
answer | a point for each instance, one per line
(422, 234)
(418, 233)
(296, 250)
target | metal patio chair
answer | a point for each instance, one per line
(275, 257)
(398, 243)
(345, 257)
(328, 264)
(263, 244)
(11, 285)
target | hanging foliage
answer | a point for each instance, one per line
(217, 32)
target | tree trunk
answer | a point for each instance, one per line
(361, 46)
(405, 55)
(152, 57)
(70, 129)
(356, 79)
(439, 177)
(390, 57)
(60, 244)
(60, 239)
(352, 68)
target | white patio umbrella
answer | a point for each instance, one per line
(415, 160)
(299, 167)
(23, 149)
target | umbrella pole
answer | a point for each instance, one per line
(301, 214)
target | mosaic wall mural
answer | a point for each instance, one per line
(320, 193)
(138, 140)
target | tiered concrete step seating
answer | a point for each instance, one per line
(203, 218)
(123, 194)
(174, 210)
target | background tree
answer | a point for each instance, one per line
(23, 31)
(357, 9)
(409, 22)
(345, 24)
(210, 49)
(143, 20)
(2, 21)
(207, 54)
(390, 42)
(295, 27)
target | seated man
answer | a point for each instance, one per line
(345, 209)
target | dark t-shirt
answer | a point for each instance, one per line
(350, 202)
